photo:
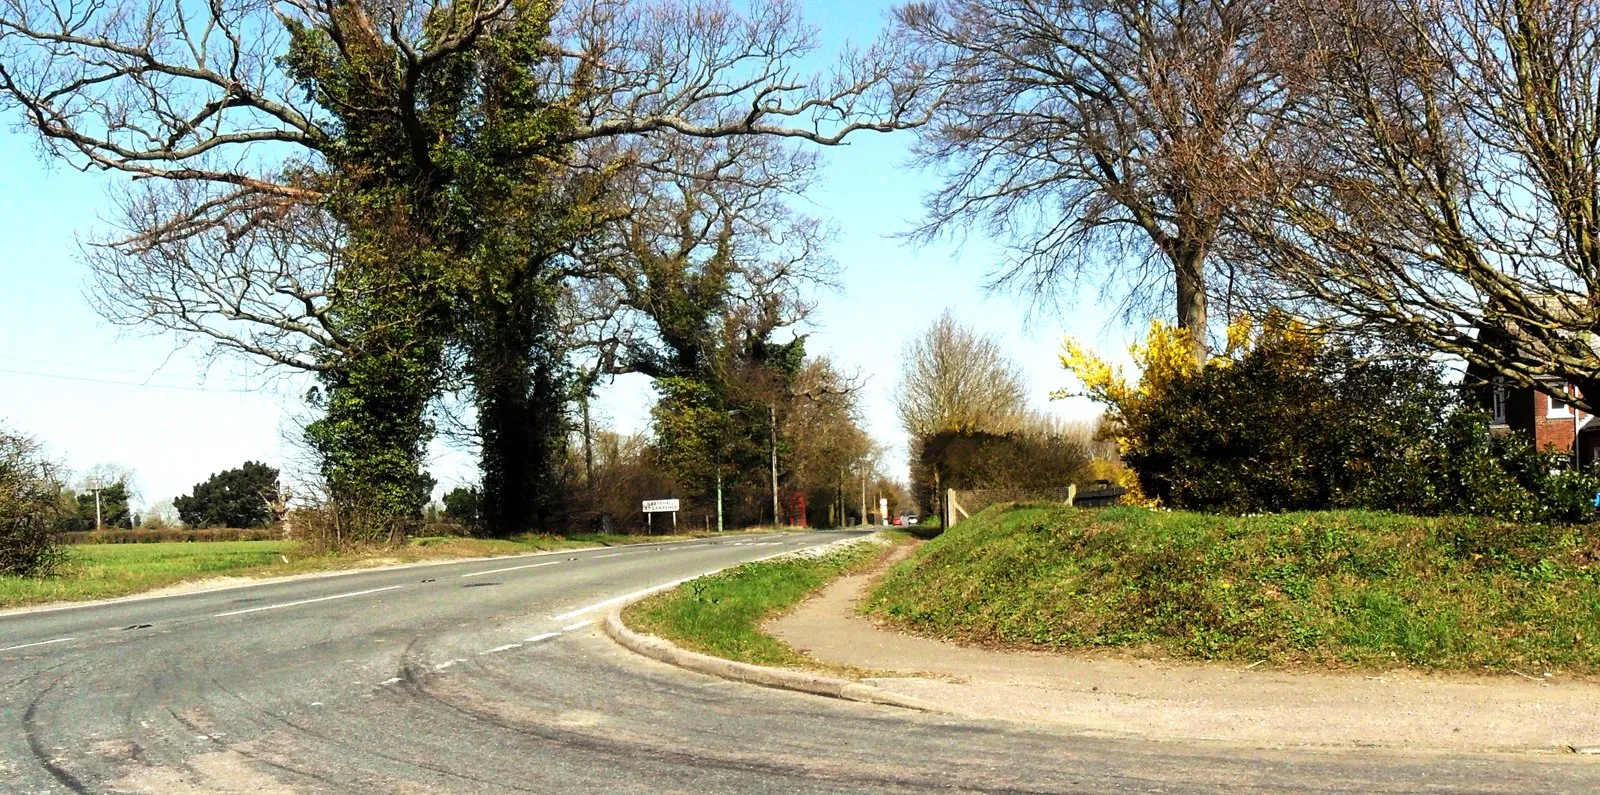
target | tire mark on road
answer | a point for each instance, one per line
(30, 728)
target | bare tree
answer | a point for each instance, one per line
(1442, 182)
(255, 118)
(954, 379)
(1097, 132)
(705, 250)
(824, 429)
(197, 97)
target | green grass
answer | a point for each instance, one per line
(1346, 589)
(101, 571)
(722, 614)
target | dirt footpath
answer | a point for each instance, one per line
(1172, 701)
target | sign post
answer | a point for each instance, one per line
(660, 506)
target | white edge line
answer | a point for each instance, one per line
(627, 596)
(579, 625)
(40, 643)
(306, 601)
(510, 568)
(541, 636)
(498, 649)
(662, 587)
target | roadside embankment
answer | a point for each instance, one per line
(1350, 590)
(1105, 695)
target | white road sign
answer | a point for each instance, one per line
(660, 506)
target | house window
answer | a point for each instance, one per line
(1559, 407)
(1497, 406)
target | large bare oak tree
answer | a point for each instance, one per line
(1097, 135)
(1441, 180)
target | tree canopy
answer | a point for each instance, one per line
(240, 497)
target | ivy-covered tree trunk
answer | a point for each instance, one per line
(375, 431)
(520, 380)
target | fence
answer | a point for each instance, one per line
(963, 504)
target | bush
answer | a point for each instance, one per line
(463, 505)
(154, 536)
(241, 497)
(1024, 460)
(1293, 420)
(30, 505)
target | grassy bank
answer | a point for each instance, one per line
(1338, 588)
(101, 571)
(722, 614)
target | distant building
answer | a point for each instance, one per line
(1542, 415)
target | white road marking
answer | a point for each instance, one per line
(579, 625)
(623, 598)
(306, 601)
(541, 636)
(612, 555)
(446, 664)
(511, 568)
(40, 643)
(498, 649)
(391, 681)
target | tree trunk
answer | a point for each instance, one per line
(1189, 268)
(520, 384)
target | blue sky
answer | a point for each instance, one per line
(97, 394)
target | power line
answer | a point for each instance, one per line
(49, 363)
(123, 383)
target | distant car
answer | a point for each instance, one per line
(911, 520)
(899, 521)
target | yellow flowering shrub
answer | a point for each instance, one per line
(1162, 357)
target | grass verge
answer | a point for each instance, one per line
(103, 571)
(1341, 589)
(722, 614)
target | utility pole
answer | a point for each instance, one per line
(772, 443)
(863, 494)
(94, 486)
(721, 441)
(588, 445)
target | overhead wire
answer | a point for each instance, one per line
(147, 385)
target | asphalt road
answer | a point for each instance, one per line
(485, 677)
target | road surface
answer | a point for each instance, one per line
(490, 676)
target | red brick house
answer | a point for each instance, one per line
(1541, 415)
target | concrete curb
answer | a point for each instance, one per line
(779, 678)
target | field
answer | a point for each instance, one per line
(1334, 589)
(100, 571)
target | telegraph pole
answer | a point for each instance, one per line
(94, 486)
(772, 442)
(863, 494)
